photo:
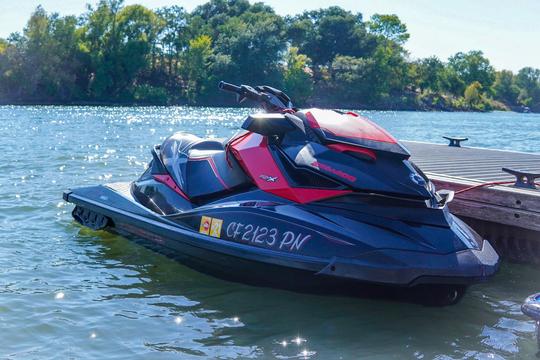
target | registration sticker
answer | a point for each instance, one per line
(215, 227)
(211, 226)
(205, 225)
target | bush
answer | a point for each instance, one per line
(149, 94)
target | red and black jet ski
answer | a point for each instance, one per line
(301, 199)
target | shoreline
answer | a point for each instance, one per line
(233, 104)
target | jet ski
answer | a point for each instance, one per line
(300, 199)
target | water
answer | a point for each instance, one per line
(67, 292)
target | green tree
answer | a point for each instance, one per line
(298, 80)
(248, 40)
(389, 26)
(505, 88)
(3, 46)
(49, 69)
(11, 60)
(430, 74)
(354, 78)
(528, 80)
(100, 45)
(138, 28)
(253, 42)
(472, 94)
(471, 67)
(372, 80)
(196, 67)
(451, 81)
(391, 71)
(117, 53)
(323, 34)
(174, 35)
(118, 42)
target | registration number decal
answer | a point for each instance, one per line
(266, 236)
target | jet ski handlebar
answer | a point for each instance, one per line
(225, 86)
(243, 91)
(272, 100)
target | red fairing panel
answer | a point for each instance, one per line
(253, 154)
(352, 148)
(348, 125)
(168, 180)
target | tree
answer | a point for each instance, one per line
(471, 67)
(369, 80)
(209, 17)
(451, 81)
(174, 34)
(429, 73)
(119, 43)
(118, 53)
(100, 46)
(11, 64)
(323, 34)
(504, 87)
(528, 80)
(196, 67)
(298, 80)
(49, 69)
(389, 26)
(248, 40)
(138, 29)
(354, 78)
(253, 42)
(3, 46)
(472, 93)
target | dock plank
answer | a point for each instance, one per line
(471, 163)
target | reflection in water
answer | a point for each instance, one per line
(67, 292)
(290, 325)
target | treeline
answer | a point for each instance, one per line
(330, 57)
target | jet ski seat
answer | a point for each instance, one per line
(200, 167)
(209, 144)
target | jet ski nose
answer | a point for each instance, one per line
(488, 260)
(466, 235)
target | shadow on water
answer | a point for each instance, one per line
(235, 319)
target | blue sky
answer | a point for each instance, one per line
(507, 31)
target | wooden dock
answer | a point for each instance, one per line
(507, 215)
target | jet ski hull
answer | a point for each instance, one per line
(287, 267)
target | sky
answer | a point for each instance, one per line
(508, 32)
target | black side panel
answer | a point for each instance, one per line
(158, 197)
(214, 174)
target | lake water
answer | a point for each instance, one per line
(67, 292)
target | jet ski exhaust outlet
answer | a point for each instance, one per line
(89, 218)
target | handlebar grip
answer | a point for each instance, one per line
(225, 86)
(250, 93)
